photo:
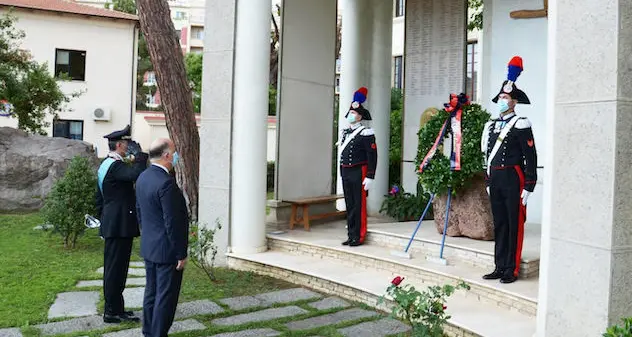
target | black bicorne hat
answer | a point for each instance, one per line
(514, 68)
(124, 134)
(359, 97)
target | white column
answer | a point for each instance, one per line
(586, 254)
(355, 58)
(249, 132)
(380, 96)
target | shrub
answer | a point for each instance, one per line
(437, 176)
(405, 206)
(618, 331)
(424, 310)
(202, 247)
(71, 198)
(395, 150)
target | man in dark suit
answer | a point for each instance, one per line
(116, 210)
(164, 221)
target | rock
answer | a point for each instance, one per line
(30, 164)
(470, 212)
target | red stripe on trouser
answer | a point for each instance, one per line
(522, 216)
(363, 207)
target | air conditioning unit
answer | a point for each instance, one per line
(101, 114)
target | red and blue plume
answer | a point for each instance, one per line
(514, 68)
(360, 95)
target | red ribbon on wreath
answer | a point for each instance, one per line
(455, 108)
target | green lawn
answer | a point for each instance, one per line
(35, 267)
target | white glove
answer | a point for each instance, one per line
(487, 188)
(525, 196)
(367, 183)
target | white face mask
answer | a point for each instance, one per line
(503, 105)
(351, 118)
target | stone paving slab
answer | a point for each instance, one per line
(331, 319)
(178, 326)
(10, 332)
(201, 307)
(250, 333)
(130, 271)
(330, 303)
(133, 297)
(260, 316)
(131, 281)
(74, 304)
(271, 298)
(74, 325)
(380, 328)
(137, 264)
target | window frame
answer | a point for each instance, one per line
(85, 58)
(68, 122)
(398, 81)
(400, 8)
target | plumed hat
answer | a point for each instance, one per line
(509, 85)
(359, 97)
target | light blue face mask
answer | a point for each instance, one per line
(503, 105)
(174, 161)
(351, 118)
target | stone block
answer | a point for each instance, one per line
(470, 212)
(330, 303)
(331, 319)
(133, 297)
(10, 332)
(74, 304)
(178, 326)
(268, 299)
(201, 307)
(131, 281)
(73, 325)
(260, 316)
(250, 333)
(130, 271)
(381, 328)
(137, 264)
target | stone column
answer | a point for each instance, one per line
(250, 118)
(355, 59)
(586, 257)
(380, 96)
(234, 123)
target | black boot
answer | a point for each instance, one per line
(495, 275)
(346, 243)
(355, 243)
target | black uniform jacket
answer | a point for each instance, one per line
(361, 150)
(518, 148)
(116, 206)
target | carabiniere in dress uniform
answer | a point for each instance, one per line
(511, 174)
(358, 160)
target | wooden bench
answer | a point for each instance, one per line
(304, 203)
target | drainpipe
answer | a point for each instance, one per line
(132, 107)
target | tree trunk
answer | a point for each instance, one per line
(175, 92)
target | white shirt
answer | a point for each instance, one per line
(162, 167)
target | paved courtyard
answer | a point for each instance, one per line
(290, 312)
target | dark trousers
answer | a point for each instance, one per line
(161, 298)
(116, 257)
(505, 190)
(355, 201)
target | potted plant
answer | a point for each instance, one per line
(405, 206)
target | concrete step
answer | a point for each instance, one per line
(471, 316)
(457, 250)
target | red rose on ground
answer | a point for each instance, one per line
(444, 307)
(396, 281)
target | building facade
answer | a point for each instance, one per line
(97, 49)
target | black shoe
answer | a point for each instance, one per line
(508, 279)
(495, 275)
(111, 318)
(128, 316)
(346, 243)
(355, 243)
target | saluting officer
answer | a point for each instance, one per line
(358, 160)
(511, 174)
(116, 209)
